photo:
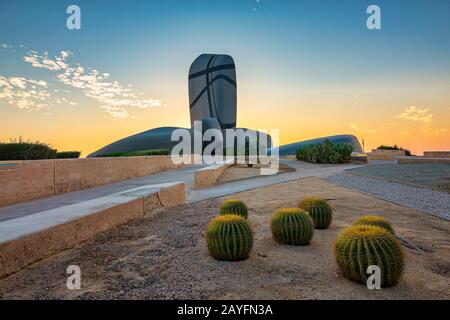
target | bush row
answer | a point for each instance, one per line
(26, 150)
(394, 147)
(151, 152)
(326, 152)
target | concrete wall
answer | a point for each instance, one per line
(436, 154)
(33, 179)
(411, 160)
(25, 180)
(387, 155)
(207, 177)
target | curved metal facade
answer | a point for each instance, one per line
(291, 149)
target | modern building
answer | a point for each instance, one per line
(291, 148)
(213, 101)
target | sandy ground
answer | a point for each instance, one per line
(164, 256)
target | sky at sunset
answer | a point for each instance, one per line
(308, 68)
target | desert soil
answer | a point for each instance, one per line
(164, 256)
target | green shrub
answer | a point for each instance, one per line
(151, 152)
(229, 237)
(394, 147)
(111, 155)
(319, 210)
(326, 152)
(20, 150)
(361, 246)
(68, 154)
(234, 207)
(292, 226)
(377, 221)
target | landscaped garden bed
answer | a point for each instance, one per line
(166, 256)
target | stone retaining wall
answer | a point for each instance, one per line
(386, 155)
(411, 160)
(28, 239)
(32, 179)
(436, 154)
(207, 177)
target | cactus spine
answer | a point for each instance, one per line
(234, 207)
(377, 221)
(361, 246)
(319, 210)
(292, 226)
(229, 237)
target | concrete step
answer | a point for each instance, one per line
(30, 238)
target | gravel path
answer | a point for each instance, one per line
(435, 176)
(434, 202)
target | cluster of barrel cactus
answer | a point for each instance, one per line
(377, 221)
(229, 237)
(319, 210)
(370, 241)
(233, 206)
(360, 246)
(292, 226)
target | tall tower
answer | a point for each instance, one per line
(212, 89)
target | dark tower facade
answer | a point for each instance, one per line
(212, 89)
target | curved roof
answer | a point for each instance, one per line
(291, 148)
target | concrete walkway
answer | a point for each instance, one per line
(185, 175)
(303, 170)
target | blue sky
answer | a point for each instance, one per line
(284, 50)
(288, 34)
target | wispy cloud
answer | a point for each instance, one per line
(24, 93)
(113, 97)
(5, 46)
(360, 128)
(433, 130)
(424, 115)
(416, 114)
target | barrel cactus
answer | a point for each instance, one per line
(375, 221)
(361, 246)
(234, 207)
(292, 226)
(229, 237)
(319, 210)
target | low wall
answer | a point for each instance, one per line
(411, 160)
(33, 179)
(207, 177)
(359, 158)
(26, 180)
(28, 239)
(386, 155)
(436, 154)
